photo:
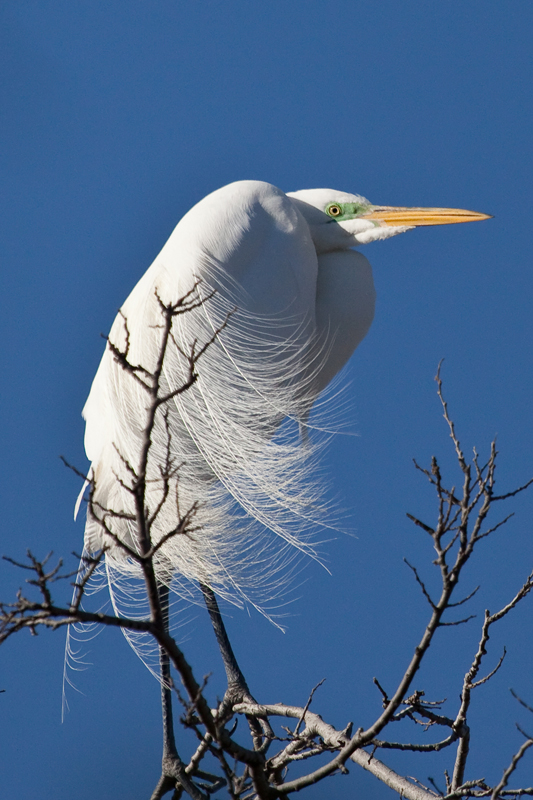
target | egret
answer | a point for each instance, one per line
(272, 282)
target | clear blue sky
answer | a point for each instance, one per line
(116, 118)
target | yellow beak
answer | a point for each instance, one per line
(395, 215)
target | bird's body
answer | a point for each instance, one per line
(303, 300)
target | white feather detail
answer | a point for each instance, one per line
(233, 438)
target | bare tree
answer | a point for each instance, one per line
(274, 760)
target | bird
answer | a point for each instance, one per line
(276, 297)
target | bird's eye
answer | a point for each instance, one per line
(334, 210)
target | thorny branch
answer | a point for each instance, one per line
(251, 771)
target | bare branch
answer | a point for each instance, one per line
(306, 707)
(420, 524)
(457, 622)
(421, 584)
(510, 769)
(522, 702)
(417, 748)
(490, 675)
(465, 599)
(513, 494)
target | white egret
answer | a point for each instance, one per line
(304, 300)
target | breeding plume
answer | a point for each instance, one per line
(273, 282)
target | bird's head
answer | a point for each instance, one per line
(338, 220)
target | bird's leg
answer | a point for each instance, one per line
(173, 769)
(236, 680)
(237, 691)
(169, 742)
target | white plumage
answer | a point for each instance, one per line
(304, 300)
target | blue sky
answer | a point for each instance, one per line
(117, 118)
